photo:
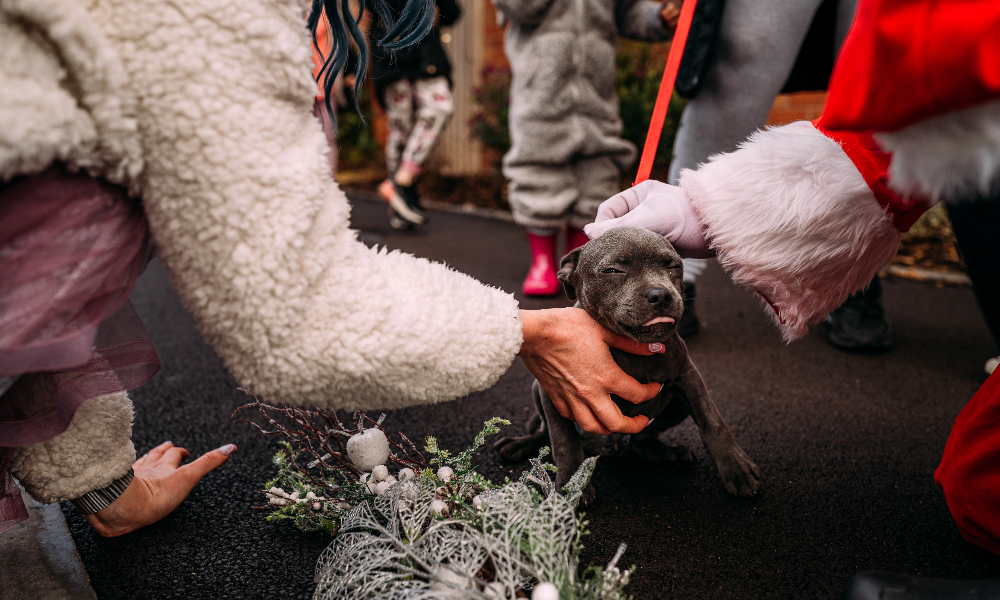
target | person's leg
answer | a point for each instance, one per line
(975, 223)
(597, 179)
(541, 197)
(434, 107)
(398, 99)
(755, 51)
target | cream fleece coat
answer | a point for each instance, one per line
(203, 108)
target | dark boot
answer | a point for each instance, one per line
(689, 324)
(859, 324)
(882, 585)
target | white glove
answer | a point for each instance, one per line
(661, 208)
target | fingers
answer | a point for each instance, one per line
(192, 473)
(174, 456)
(154, 455)
(612, 418)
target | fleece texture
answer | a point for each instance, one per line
(953, 157)
(63, 95)
(790, 217)
(245, 216)
(204, 109)
(94, 451)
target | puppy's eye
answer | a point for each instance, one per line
(612, 270)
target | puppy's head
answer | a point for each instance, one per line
(630, 280)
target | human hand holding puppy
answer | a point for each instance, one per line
(661, 208)
(568, 352)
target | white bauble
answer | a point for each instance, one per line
(380, 472)
(381, 487)
(368, 450)
(406, 474)
(446, 473)
(545, 591)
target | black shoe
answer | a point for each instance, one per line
(689, 324)
(395, 195)
(882, 585)
(859, 324)
(399, 223)
(413, 198)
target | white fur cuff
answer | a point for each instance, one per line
(790, 217)
(952, 157)
(92, 453)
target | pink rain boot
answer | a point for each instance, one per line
(541, 279)
(575, 238)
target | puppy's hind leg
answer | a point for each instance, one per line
(518, 449)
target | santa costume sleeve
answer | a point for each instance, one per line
(807, 213)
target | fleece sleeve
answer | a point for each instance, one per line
(791, 217)
(93, 452)
(256, 236)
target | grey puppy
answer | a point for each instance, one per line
(630, 281)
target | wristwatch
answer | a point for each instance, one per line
(98, 500)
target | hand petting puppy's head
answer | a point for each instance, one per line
(630, 280)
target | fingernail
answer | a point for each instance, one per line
(657, 348)
(227, 449)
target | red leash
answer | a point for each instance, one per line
(666, 90)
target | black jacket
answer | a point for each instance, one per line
(423, 60)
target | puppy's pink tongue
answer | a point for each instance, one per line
(659, 320)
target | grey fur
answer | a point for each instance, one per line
(648, 269)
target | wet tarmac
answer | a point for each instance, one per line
(847, 443)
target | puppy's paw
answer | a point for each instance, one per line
(653, 449)
(739, 474)
(518, 449)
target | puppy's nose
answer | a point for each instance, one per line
(659, 298)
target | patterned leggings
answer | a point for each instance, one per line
(417, 111)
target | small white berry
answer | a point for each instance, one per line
(277, 492)
(278, 502)
(310, 496)
(379, 472)
(317, 505)
(545, 591)
(381, 487)
(365, 478)
(406, 474)
(440, 507)
(446, 474)
(390, 480)
(294, 496)
(343, 505)
(477, 503)
(371, 485)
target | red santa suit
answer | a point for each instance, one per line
(912, 118)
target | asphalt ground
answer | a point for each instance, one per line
(847, 443)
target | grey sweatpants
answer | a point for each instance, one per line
(549, 196)
(758, 43)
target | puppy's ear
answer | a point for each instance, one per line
(567, 273)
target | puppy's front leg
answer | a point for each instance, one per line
(739, 474)
(567, 447)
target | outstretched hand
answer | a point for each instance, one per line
(568, 352)
(159, 486)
